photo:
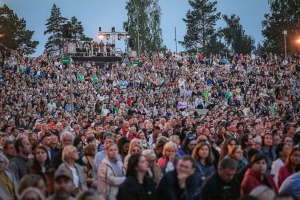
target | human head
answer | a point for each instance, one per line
(229, 144)
(282, 150)
(23, 146)
(137, 163)
(227, 169)
(288, 139)
(88, 195)
(196, 155)
(150, 157)
(90, 150)
(186, 165)
(236, 153)
(63, 184)
(263, 192)
(257, 142)
(9, 148)
(66, 138)
(246, 140)
(32, 194)
(170, 147)
(258, 163)
(70, 153)
(40, 152)
(190, 142)
(112, 151)
(267, 140)
(32, 180)
(293, 158)
(123, 146)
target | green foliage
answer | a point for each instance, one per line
(144, 19)
(200, 22)
(234, 35)
(16, 36)
(76, 30)
(284, 15)
(54, 29)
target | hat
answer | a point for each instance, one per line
(63, 173)
(298, 129)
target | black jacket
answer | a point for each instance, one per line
(133, 190)
(168, 188)
(215, 188)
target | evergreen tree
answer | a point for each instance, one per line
(234, 35)
(143, 24)
(54, 29)
(16, 36)
(77, 30)
(200, 22)
(284, 15)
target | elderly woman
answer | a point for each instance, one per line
(69, 156)
(111, 173)
(8, 183)
(154, 170)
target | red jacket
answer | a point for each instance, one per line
(283, 173)
(252, 180)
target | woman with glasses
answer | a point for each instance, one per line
(137, 186)
(154, 171)
(69, 155)
(111, 173)
(168, 161)
(236, 153)
(204, 158)
(188, 145)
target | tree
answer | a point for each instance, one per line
(234, 35)
(54, 29)
(284, 15)
(15, 34)
(77, 30)
(200, 22)
(143, 24)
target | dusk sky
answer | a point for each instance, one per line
(112, 13)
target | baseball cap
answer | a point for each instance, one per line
(63, 173)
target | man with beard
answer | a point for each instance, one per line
(63, 185)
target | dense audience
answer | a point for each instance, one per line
(157, 126)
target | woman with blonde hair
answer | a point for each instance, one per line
(154, 171)
(168, 161)
(135, 147)
(69, 155)
(111, 173)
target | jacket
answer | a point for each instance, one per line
(133, 190)
(5, 195)
(19, 166)
(168, 188)
(215, 188)
(79, 170)
(48, 176)
(109, 182)
(252, 179)
(283, 173)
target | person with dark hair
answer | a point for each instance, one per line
(9, 149)
(20, 163)
(179, 183)
(256, 175)
(123, 146)
(204, 158)
(32, 180)
(228, 146)
(137, 185)
(268, 150)
(282, 151)
(188, 145)
(42, 166)
(292, 165)
(222, 184)
(246, 141)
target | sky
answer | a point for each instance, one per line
(107, 14)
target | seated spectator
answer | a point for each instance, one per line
(222, 184)
(8, 183)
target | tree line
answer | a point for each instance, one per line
(144, 22)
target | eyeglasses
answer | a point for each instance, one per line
(190, 137)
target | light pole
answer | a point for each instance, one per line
(284, 36)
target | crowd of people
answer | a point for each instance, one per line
(161, 125)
